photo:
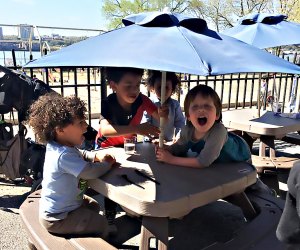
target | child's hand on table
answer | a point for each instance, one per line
(147, 129)
(163, 155)
(110, 159)
(101, 157)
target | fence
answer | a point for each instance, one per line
(235, 90)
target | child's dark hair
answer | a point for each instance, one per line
(204, 91)
(115, 74)
(53, 111)
(170, 76)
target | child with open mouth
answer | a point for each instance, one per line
(204, 134)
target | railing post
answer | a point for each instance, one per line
(89, 94)
(103, 84)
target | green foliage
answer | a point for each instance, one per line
(223, 14)
(115, 10)
(291, 8)
(219, 14)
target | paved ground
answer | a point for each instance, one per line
(218, 220)
(13, 236)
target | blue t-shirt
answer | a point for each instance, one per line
(61, 191)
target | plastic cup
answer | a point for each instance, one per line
(277, 108)
(129, 145)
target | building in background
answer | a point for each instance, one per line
(25, 31)
(1, 33)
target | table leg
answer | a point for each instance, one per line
(153, 227)
(262, 149)
(267, 141)
(241, 200)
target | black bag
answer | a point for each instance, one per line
(11, 148)
(5, 103)
(32, 159)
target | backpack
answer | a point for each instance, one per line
(5, 106)
(32, 159)
(11, 148)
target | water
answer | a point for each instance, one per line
(22, 57)
(129, 148)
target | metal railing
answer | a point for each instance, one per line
(235, 90)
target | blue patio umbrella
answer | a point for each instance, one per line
(265, 30)
(167, 42)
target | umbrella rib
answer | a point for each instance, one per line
(193, 47)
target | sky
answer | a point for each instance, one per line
(55, 13)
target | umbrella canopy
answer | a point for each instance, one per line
(265, 30)
(167, 42)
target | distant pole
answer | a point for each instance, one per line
(4, 60)
(31, 70)
(14, 58)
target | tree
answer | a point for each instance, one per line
(215, 12)
(291, 8)
(115, 10)
(223, 14)
(220, 14)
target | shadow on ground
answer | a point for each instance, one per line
(8, 202)
(11, 198)
(218, 221)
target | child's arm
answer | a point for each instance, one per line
(165, 156)
(152, 109)
(73, 162)
(176, 153)
(162, 111)
(214, 142)
(97, 168)
(109, 130)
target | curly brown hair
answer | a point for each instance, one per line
(53, 111)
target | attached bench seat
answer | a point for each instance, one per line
(274, 171)
(40, 238)
(262, 163)
(259, 233)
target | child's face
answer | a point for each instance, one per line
(127, 89)
(202, 113)
(72, 134)
(157, 89)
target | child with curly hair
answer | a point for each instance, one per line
(176, 118)
(60, 123)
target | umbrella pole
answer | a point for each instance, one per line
(162, 100)
(258, 95)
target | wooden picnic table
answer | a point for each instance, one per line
(179, 190)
